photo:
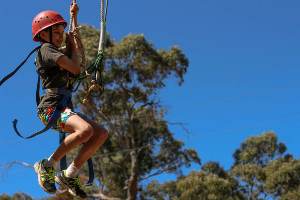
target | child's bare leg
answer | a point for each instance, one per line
(92, 145)
(92, 137)
(80, 132)
(85, 132)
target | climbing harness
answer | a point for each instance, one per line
(45, 20)
(54, 117)
(19, 66)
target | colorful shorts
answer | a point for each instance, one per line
(46, 114)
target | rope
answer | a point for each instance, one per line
(96, 69)
(102, 25)
(103, 15)
(126, 150)
(71, 18)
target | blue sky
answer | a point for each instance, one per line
(242, 80)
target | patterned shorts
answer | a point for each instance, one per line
(46, 114)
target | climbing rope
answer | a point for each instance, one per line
(71, 25)
(97, 68)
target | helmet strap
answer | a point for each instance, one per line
(50, 34)
(49, 30)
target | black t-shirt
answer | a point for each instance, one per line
(52, 76)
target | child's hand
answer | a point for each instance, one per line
(70, 40)
(68, 44)
(74, 9)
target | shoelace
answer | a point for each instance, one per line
(49, 175)
(75, 182)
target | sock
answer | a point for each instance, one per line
(72, 170)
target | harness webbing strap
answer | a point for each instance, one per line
(37, 92)
(54, 117)
(63, 162)
(19, 66)
(91, 172)
(46, 128)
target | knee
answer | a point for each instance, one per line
(86, 132)
(101, 134)
(104, 134)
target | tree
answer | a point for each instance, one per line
(283, 177)
(141, 144)
(16, 196)
(251, 158)
(211, 183)
(265, 170)
(5, 197)
(259, 150)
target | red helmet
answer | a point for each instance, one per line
(44, 20)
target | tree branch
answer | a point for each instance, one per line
(182, 125)
(5, 167)
(158, 172)
(102, 196)
(16, 162)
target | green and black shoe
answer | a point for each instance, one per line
(46, 176)
(72, 184)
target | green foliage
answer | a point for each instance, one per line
(251, 178)
(292, 194)
(16, 196)
(283, 176)
(5, 197)
(156, 191)
(212, 183)
(210, 186)
(251, 160)
(214, 168)
(262, 171)
(259, 150)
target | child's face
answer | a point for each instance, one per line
(57, 35)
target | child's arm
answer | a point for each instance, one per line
(72, 64)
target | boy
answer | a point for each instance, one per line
(56, 71)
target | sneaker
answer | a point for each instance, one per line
(72, 184)
(46, 176)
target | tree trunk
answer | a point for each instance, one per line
(133, 180)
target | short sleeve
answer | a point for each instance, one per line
(50, 54)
